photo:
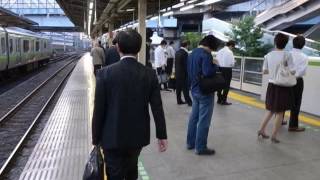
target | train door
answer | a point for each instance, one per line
(3, 52)
(18, 50)
(12, 55)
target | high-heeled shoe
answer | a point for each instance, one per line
(263, 135)
(274, 140)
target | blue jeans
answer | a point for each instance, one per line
(199, 121)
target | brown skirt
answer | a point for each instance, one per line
(278, 98)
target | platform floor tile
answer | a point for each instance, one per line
(64, 145)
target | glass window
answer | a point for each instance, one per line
(3, 45)
(11, 45)
(32, 46)
(25, 45)
(17, 45)
(37, 46)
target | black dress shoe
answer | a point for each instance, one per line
(180, 103)
(206, 152)
(226, 103)
(297, 129)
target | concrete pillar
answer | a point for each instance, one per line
(110, 28)
(142, 13)
(207, 15)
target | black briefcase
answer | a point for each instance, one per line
(172, 82)
(209, 85)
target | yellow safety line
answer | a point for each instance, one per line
(255, 103)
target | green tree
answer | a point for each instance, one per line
(193, 37)
(248, 35)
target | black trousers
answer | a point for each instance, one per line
(159, 72)
(96, 68)
(227, 74)
(181, 86)
(297, 97)
(121, 164)
(169, 66)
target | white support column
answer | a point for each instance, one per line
(110, 28)
(142, 13)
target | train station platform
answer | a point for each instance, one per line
(64, 145)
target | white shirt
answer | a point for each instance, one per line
(171, 52)
(225, 57)
(300, 61)
(273, 59)
(160, 58)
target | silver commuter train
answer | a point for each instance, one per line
(20, 47)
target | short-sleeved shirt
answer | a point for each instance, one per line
(225, 57)
(300, 61)
(273, 59)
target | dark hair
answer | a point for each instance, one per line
(299, 42)
(163, 42)
(211, 42)
(281, 40)
(99, 42)
(129, 42)
(231, 43)
(114, 41)
(184, 43)
(171, 42)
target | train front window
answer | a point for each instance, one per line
(25, 46)
(3, 45)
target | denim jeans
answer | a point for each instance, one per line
(199, 121)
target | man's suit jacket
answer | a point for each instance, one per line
(181, 65)
(112, 56)
(121, 118)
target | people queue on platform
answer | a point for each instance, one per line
(124, 91)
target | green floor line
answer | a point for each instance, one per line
(142, 172)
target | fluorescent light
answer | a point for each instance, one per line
(154, 18)
(178, 5)
(91, 5)
(207, 2)
(90, 12)
(130, 10)
(192, 1)
(168, 13)
(187, 7)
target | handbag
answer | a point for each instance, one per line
(94, 169)
(211, 84)
(283, 76)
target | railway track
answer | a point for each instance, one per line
(17, 123)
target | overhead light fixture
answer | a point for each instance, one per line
(154, 18)
(178, 5)
(192, 1)
(187, 7)
(168, 13)
(91, 5)
(207, 2)
(130, 10)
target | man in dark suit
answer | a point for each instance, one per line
(121, 121)
(112, 55)
(181, 74)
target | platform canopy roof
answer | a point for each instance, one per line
(9, 18)
(119, 12)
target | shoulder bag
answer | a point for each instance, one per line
(211, 84)
(283, 76)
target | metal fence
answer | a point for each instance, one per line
(247, 73)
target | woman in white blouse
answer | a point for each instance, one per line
(278, 98)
